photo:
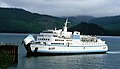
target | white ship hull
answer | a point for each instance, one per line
(71, 49)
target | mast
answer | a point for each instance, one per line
(65, 25)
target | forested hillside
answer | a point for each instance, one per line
(21, 21)
(89, 29)
(110, 23)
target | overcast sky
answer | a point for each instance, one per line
(97, 8)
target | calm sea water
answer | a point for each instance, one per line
(110, 60)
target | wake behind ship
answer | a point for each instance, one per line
(62, 41)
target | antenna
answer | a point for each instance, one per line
(66, 22)
(65, 27)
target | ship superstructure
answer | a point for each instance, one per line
(61, 41)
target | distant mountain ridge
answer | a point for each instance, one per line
(15, 20)
(78, 19)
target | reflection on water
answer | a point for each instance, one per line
(66, 62)
(110, 60)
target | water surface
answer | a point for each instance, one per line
(110, 60)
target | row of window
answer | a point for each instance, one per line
(58, 40)
(48, 35)
(89, 40)
(61, 40)
(57, 43)
(54, 35)
(49, 39)
(91, 44)
(45, 35)
(68, 40)
(44, 39)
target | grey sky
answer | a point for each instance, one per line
(96, 8)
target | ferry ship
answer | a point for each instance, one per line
(61, 41)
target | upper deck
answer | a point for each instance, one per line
(62, 36)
